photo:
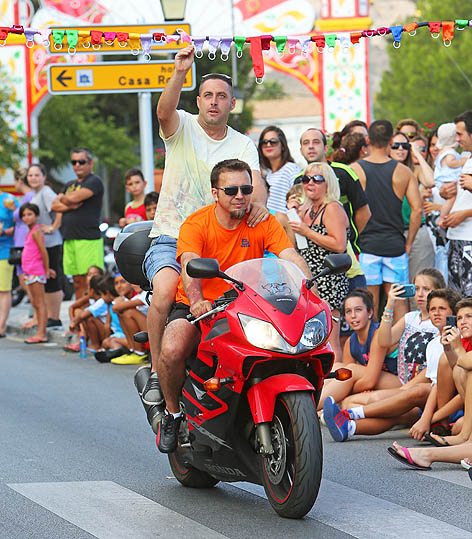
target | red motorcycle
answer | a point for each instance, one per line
(251, 393)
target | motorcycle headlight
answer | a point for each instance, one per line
(263, 334)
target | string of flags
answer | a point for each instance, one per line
(67, 40)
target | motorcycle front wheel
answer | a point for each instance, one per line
(188, 475)
(292, 474)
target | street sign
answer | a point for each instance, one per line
(113, 77)
(115, 48)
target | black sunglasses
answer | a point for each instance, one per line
(78, 161)
(317, 178)
(232, 190)
(269, 141)
(404, 145)
(220, 76)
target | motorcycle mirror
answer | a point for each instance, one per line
(203, 268)
(337, 263)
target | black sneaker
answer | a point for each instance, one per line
(152, 392)
(53, 323)
(168, 433)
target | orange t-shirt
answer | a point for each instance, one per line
(203, 235)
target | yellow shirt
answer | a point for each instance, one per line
(190, 156)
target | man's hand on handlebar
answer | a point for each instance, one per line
(200, 307)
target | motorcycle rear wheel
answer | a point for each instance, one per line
(188, 475)
(292, 475)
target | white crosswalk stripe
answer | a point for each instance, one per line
(110, 511)
(363, 516)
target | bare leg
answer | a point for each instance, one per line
(95, 332)
(80, 285)
(400, 403)
(53, 303)
(379, 425)
(113, 343)
(5, 305)
(34, 321)
(39, 305)
(180, 339)
(427, 455)
(374, 289)
(445, 387)
(164, 287)
(131, 322)
(334, 338)
(362, 399)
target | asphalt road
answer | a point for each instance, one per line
(78, 460)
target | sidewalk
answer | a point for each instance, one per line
(19, 315)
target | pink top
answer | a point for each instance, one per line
(31, 261)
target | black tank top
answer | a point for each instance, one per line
(383, 234)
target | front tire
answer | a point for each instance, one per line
(292, 475)
(188, 475)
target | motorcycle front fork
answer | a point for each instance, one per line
(264, 438)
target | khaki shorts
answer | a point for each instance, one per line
(79, 255)
(6, 275)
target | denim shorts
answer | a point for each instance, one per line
(161, 254)
(384, 269)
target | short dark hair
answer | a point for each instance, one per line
(217, 76)
(285, 156)
(323, 136)
(41, 167)
(107, 284)
(29, 206)
(465, 117)
(95, 282)
(151, 198)
(366, 297)
(451, 296)
(380, 133)
(228, 165)
(337, 137)
(435, 275)
(133, 172)
(86, 151)
(463, 303)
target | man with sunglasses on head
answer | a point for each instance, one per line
(220, 230)
(81, 204)
(194, 144)
(384, 249)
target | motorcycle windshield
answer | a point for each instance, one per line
(278, 281)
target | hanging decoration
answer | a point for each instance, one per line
(68, 40)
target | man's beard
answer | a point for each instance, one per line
(237, 214)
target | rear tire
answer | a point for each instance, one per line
(188, 475)
(292, 475)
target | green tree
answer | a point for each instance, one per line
(13, 144)
(426, 80)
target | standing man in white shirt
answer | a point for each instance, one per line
(194, 144)
(459, 220)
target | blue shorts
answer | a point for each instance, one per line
(161, 254)
(384, 269)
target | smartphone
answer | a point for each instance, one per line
(409, 291)
(451, 321)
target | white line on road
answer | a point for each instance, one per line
(458, 477)
(367, 517)
(110, 511)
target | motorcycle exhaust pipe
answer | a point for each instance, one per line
(154, 413)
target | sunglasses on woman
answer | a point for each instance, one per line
(232, 190)
(269, 141)
(404, 145)
(317, 178)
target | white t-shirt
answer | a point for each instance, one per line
(279, 184)
(463, 202)
(190, 156)
(433, 353)
(142, 297)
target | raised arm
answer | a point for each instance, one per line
(167, 104)
(388, 335)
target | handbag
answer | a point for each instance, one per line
(15, 256)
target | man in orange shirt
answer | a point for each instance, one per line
(217, 231)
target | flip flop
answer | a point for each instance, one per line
(408, 461)
(435, 442)
(35, 340)
(74, 347)
(465, 465)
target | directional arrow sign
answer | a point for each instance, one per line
(113, 77)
